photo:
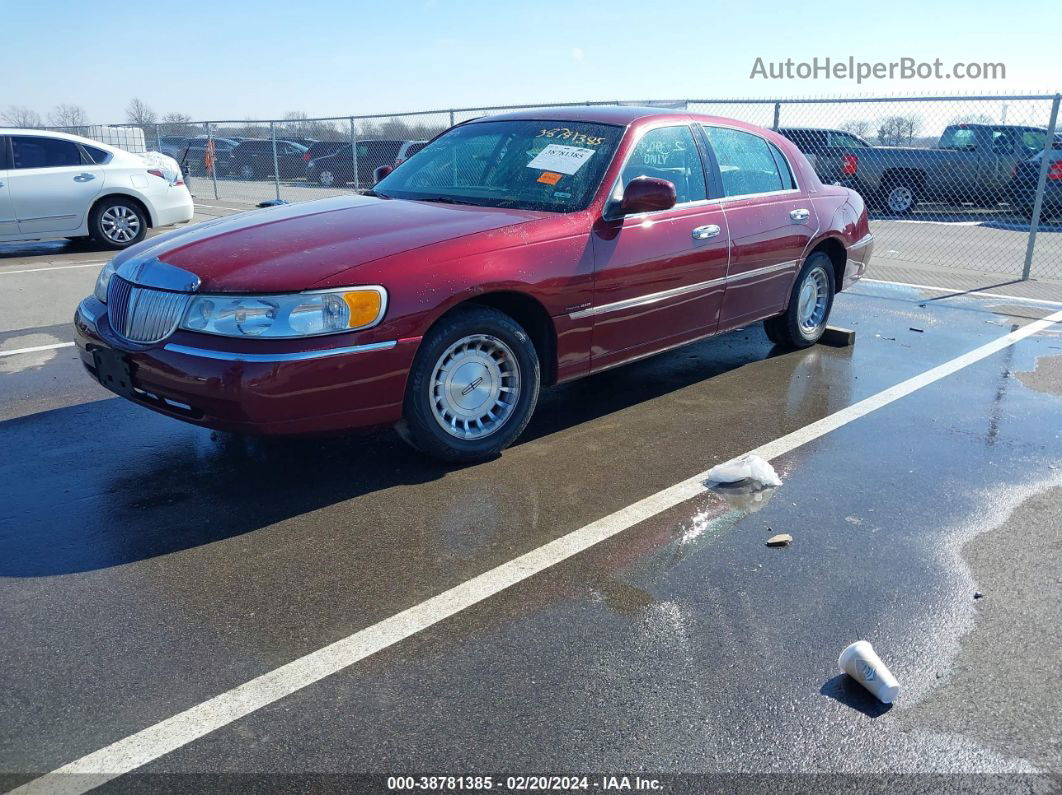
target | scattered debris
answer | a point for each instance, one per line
(747, 467)
(272, 203)
(861, 662)
(853, 520)
(978, 595)
(919, 330)
(885, 338)
(780, 540)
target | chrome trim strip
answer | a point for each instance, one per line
(159, 275)
(300, 356)
(652, 298)
(47, 218)
(866, 241)
(760, 271)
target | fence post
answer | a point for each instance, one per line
(1041, 184)
(276, 165)
(451, 118)
(213, 158)
(354, 153)
(777, 115)
(158, 139)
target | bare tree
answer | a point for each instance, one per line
(68, 116)
(973, 118)
(138, 113)
(298, 125)
(176, 124)
(21, 116)
(898, 130)
(860, 127)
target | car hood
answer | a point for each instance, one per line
(293, 247)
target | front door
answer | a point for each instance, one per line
(51, 188)
(659, 277)
(771, 223)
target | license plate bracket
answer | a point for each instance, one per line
(114, 372)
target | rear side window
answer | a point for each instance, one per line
(99, 156)
(746, 163)
(32, 152)
(786, 173)
(5, 161)
(962, 139)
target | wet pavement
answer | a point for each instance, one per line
(147, 565)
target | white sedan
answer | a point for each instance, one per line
(54, 185)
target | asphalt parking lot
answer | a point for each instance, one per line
(148, 567)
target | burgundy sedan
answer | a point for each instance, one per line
(510, 253)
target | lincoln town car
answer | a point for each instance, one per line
(511, 253)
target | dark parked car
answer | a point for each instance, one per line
(253, 159)
(1022, 189)
(338, 167)
(193, 157)
(513, 252)
(173, 145)
(322, 148)
(833, 153)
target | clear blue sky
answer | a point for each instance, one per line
(234, 60)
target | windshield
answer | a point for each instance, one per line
(530, 165)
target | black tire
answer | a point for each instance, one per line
(102, 219)
(786, 330)
(898, 195)
(422, 426)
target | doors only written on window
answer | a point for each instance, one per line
(669, 153)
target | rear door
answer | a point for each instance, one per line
(51, 188)
(771, 222)
(8, 224)
(659, 276)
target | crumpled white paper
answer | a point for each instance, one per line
(747, 467)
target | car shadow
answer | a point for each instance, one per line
(107, 483)
(849, 692)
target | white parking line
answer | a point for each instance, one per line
(36, 348)
(54, 268)
(217, 207)
(961, 293)
(174, 732)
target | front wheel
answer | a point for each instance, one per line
(804, 321)
(473, 387)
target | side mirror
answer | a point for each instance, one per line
(381, 172)
(646, 194)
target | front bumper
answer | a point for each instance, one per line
(289, 387)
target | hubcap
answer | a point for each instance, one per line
(814, 295)
(900, 199)
(246, 172)
(120, 224)
(327, 178)
(475, 387)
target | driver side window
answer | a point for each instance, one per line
(669, 153)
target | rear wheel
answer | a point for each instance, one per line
(118, 223)
(326, 177)
(899, 196)
(473, 387)
(247, 171)
(804, 321)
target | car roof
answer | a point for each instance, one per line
(611, 114)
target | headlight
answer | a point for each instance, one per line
(103, 281)
(281, 316)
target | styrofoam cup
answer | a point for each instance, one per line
(862, 663)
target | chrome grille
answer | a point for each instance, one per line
(143, 314)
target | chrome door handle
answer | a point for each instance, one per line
(84, 177)
(705, 232)
(799, 216)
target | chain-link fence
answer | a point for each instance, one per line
(972, 185)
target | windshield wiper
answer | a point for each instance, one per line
(445, 200)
